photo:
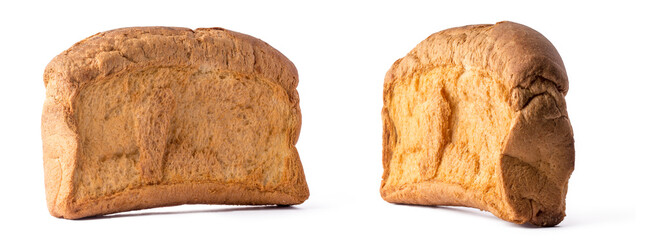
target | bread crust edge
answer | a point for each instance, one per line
(523, 59)
(98, 57)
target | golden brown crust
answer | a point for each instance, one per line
(540, 144)
(171, 195)
(214, 49)
(112, 53)
(538, 158)
(514, 52)
(209, 49)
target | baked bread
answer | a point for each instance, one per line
(475, 116)
(155, 116)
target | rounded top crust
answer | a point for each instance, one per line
(205, 49)
(514, 52)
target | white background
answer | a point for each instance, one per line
(342, 51)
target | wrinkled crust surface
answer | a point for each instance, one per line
(532, 131)
(513, 52)
(208, 49)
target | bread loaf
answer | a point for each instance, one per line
(475, 116)
(155, 116)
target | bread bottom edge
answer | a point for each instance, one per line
(177, 194)
(445, 194)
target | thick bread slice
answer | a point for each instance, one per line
(155, 116)
(475, 116)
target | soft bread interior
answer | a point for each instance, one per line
(173, 125)
(450, 124)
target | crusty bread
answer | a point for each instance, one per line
(475, 116)
(155, 116)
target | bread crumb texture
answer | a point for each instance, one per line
(146, 117)
(446, 129)
(461, 129)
